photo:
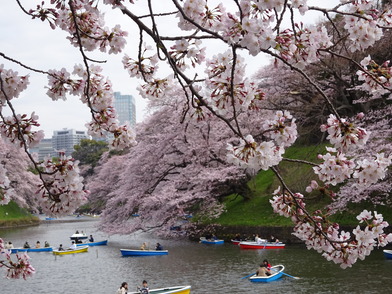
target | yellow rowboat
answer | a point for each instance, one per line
(71, 251)
(169, 290)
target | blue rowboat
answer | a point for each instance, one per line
(43, 249)
(209, 241)
(388, 254)
(277, 273)
(134, 252)
(98, 243)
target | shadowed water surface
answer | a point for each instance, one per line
(207, 268)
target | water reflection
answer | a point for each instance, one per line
(208, 268)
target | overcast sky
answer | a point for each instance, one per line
(33, 43)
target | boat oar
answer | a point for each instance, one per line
(291, 276)
(287, 274)
(248, 276)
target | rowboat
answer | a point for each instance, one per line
(135, 252)
(388, 254)
(277, 272)
(266, 245)
(43, 249)
(98, 243)
(71, 251)
(209, 241)
(169, 290)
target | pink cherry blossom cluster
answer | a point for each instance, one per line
(251, 155)
(155, 88)
(11, 84)
(335, 169)
(144, 68)
(18, 130)
(185, 50)
(251, 29)
(199, 12)
(282, 128)
(301, 47)
(339, 246)
(62, 189)
(377, 79)
(15, 269)
(365, 30)
(229, 90)
(116, 3)
(344, 134)
(86, 26)
(5, 190)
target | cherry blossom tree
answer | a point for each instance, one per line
(189, 174)
(206, 56)
(16, 183)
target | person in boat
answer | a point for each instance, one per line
(78, 241)
(267, 264)
(237, 237)
(91, 239)
(158, 247)
(272, 239)
(61, 248)
(26, 245)
(209, 236)
(144, 246)
(144, 289)
(123, 288)
(263, 271)
(258, 240)
(47, 244)
(8, 245)
(77, 232)
(38, 244)
(73, 246)
(214, 238)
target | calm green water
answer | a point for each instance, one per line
(207, 268)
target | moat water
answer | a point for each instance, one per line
(207, 268)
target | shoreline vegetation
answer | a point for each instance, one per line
(11, 215)
(249, 215)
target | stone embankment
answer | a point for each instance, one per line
(284, 234)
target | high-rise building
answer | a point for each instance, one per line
(66, 139)
(125, 108)
(44, 149)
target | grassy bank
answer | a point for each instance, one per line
(11, 215)
(258, 211)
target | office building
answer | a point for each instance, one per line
(125, 108)
(44, 149)
(66, 139)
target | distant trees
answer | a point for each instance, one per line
(20, 182)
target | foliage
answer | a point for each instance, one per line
(12, 215)
(89, 151)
